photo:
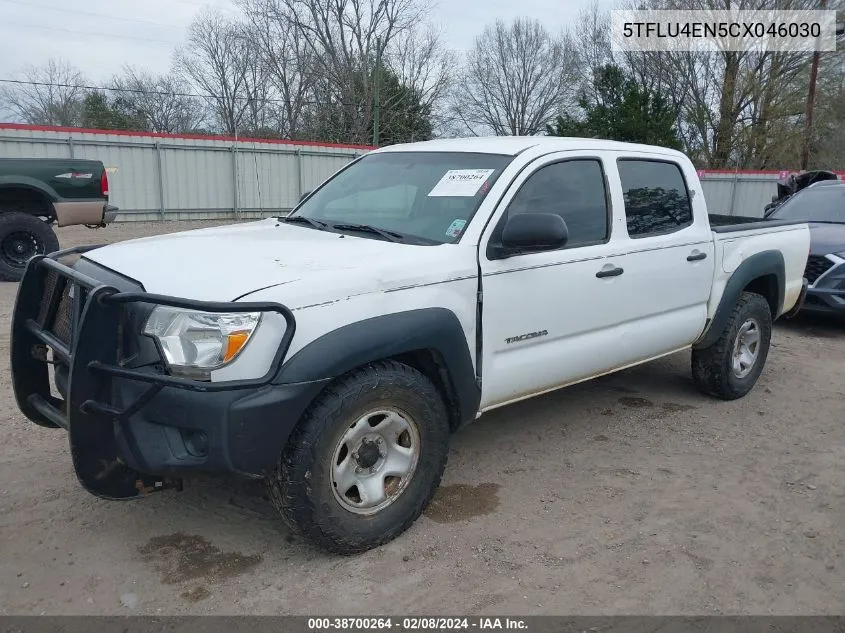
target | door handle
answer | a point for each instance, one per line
(696, 257)
(610, 272)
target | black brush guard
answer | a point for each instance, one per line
(86, 340)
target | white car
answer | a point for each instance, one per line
(333, 351)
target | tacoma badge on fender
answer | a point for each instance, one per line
(525, 337)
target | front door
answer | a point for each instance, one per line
(547, 316)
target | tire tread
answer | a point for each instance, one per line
(288, 488)
(710, 365)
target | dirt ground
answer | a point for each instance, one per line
(632, 494)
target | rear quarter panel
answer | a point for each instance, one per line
(734, 248)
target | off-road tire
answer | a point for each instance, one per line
(712, 366)
(301, 488)
(13, 223)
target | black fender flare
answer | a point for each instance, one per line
(386, 336)
(758, 265)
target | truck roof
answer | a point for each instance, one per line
(513, 145)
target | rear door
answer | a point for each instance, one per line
(666, 253)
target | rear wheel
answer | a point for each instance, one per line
(730, 367)
(22, 237)
(365, 460)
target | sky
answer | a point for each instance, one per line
(101, 36)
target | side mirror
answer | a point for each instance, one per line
(304, 195)
(535, 232)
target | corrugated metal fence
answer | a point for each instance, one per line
(162, 176)
(741, 192)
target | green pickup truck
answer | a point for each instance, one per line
(35, 193)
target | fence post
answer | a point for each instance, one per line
(299, 185)
(235, 185)
(160, 172)
(733, 190)
(70, 146)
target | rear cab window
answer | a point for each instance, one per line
(656, 196)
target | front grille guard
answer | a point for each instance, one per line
(91, 354)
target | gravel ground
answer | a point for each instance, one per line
(631, 494)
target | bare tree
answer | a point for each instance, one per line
(262, 100)
(346, 38)
(735, 108)
(47, 95)
(160, 100)
(422, 64)
(217, 60)
(516, 79)
(828, 148)
(590, 43)
(288, 60)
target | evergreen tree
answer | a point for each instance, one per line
(100, 113)
(621, 110)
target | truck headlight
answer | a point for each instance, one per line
(194, 343)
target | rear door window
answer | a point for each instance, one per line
(656, 197)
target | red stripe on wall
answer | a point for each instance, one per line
(199, 137)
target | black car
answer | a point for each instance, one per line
(822, 205)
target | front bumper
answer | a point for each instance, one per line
(826, 295)
(132, 428)
(825, 301)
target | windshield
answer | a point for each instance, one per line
(424, 197)
(825, 203)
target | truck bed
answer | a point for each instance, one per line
(734, 223)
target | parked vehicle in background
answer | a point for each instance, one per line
(792, 184)
(332, 352)
(35, 193)
(822, 206)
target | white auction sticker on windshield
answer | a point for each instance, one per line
(461, 183)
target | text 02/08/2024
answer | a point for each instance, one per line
(416, 624)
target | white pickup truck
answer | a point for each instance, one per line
(333, 351)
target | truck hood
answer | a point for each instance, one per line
(827, 238)
(228, 263)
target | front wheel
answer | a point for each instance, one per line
(730, 367)
(22, 237)
(365, 460)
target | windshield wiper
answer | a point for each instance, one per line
(317, 224)
(393, 236)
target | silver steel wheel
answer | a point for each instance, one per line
(374, 461)
(746, 348)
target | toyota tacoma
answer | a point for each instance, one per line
(332, 352)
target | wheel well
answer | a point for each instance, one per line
(26, 200)
(430, 363)
(768, 287)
